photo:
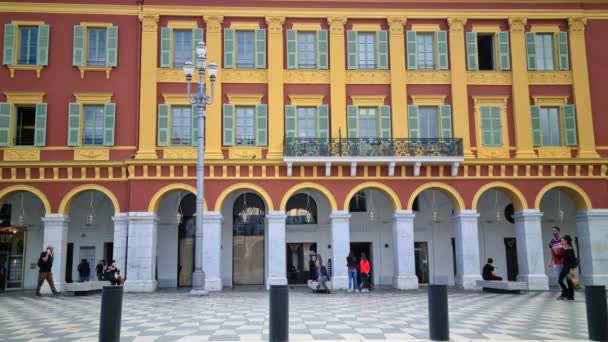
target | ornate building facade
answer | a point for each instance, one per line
(428, 135)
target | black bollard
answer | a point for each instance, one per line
(111, 314)
(279, 313)
(439, 325)
(597, 312)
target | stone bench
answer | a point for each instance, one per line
(80, 289)
(502, 286)
(313, 286)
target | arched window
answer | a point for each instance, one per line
(248, 214)
(301, 209)
(357, 203)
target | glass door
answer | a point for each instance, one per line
(421, 253)
(248, 252)
(300, 262)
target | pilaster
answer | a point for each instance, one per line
(277, 254)
(213, 118)
(530, 259)
(404, 277)
(398, 78)
(212, 249)
(337, 76)
(56, 235)
(466, 235)
(141, 254)
(340, 247)
(121, 224)
(593, 245)
(276, 117)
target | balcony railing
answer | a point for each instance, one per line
(373, 147)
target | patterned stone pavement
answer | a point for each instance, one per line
(243, 315)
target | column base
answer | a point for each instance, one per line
(213, 284)
(146, 155)
(536, 282)
(595, 279)
(274, 155)
(198, 284)
(275, 281)
(405, 282)
(525, 154)
(198, 292)
(140, 285)
(339, 283)
(467, 282)
(587, 154)
(214, 155)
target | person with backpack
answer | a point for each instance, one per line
(570, 263)
(45, 264)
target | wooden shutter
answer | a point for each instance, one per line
(382, 38)
(261, 127)
(385, 121)
(193, 125)
(352, 114)
(10, 40)
(40, 124)
(228, 124)
(536, 131)
(351, 45)
(74, 114)
(260, 49)
(569, 125)
(197, 36)
(78, 50)
(112, 46)
(109, 122)
(166, 44)
(42, 53)
(229, 55)
(412, 50)
(496, 125)
(322, 49)
(5, 123)
(472, 58)
(531, 50)
(504, 54)
(413, 122)
(292, 49)
(290, 121)
(162, 138)
(445, 121)
(442, 50)
(562, 50)
(323, 121)
(486, 125)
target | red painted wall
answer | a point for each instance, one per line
(597, 55)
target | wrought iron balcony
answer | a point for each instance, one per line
(373, 147)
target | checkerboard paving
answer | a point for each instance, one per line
(242, 315)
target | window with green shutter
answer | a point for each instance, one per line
(26, 44)
(95, 46)
(40, 124)
(178, 46)
(307, 49)
(245, 125)
(25, 125)
(427, 50)
(244, 49)
(5, 123)
(491, 126)
(543, 47)
(471, 45)
(488, 51)
(307, 121)
(554, 126)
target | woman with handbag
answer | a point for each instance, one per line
(570, 264)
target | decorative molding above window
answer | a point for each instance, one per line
(27, 22)
(93, 98)
(307, 100)
(544, 28)
(489, 77)
(428, 100)
(182, 25)
(301, 76)
(244, 76)
(245, 99)
(486, 28)
(428, 77)
(550, 100)
(244, 26)
(371, 76)
(176, 99)
(306, 26)
(368, 100)
(95, 24)
(92, 153)
(24, 97)
(426, 27)
(367, 27)
(549, 77)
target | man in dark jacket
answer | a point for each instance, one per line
(84, 271)
(321, 275)
(45, 263)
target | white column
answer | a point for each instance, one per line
(467, 248)
(141, 254)
(121, 224)
(592, 231)
(403, 251)
(212, 250)
(277, 254)
(56, 235)
(340, 247)
(530, 257)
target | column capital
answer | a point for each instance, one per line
(336, 25)
(465, 214)
(212, 216)
(55, 218)
(339, 215)
(592, 214)
(518, 24)
(404, 215)
(120, 217)
(275, 24)
(276, 216)
(214, 23)
(142, 217)
(457, 24)
(577, 25)
(149, 22)
(396, 24)
(527, 214)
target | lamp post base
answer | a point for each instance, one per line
(198, 284)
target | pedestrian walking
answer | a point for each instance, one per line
(351, 265)
(557, 252)
(99, 269)
(569, 264)
(364, 268)
(45, 264)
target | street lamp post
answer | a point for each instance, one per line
(201, 100)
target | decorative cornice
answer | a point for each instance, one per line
(368, 77)
(429, 77)
(22, 154)
(24, 97)
(306, 76)
(149, 22)
(489, 77)
(517, 24)
(549, 77)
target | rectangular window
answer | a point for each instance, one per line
(307, 122)
(367, 50)
(307, 50)
(428, 122)
(550, 126)
(245, 126)
(245, 49)
(26, 120)
(28, 41)
(368, 123)
(486, 51)
(426, 51)
(182, 48)
(545, 59)
(491, 126)
(96, 48)
(93, 125)
(181, 125)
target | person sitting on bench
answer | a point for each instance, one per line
(321, 275)
(488, 271)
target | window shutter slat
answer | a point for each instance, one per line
(197, 36)
(446, 121)
(413, 122)
(229, 54)
(504, 53)
(5, 123)
(382, 37)
(112, 46)
(78, 50)
(472, 58)
(385, 121)
(562, 49)
(74, 124)
(570, 125)
(323, 124)
(109, 123)
(292, 49)
(40, 125)
(352, 114)
(261, 118)
(290, 121)
(43, 45)
(486, 124)
(260, 49)
(228, 124)
(442, 50)
(412, 50)
(497, 125)
(162, 137)
(351, 45)
(10, 40)
(323, 49)
(194, 125)
(531, 50)
(536, 131)
(166, 37)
